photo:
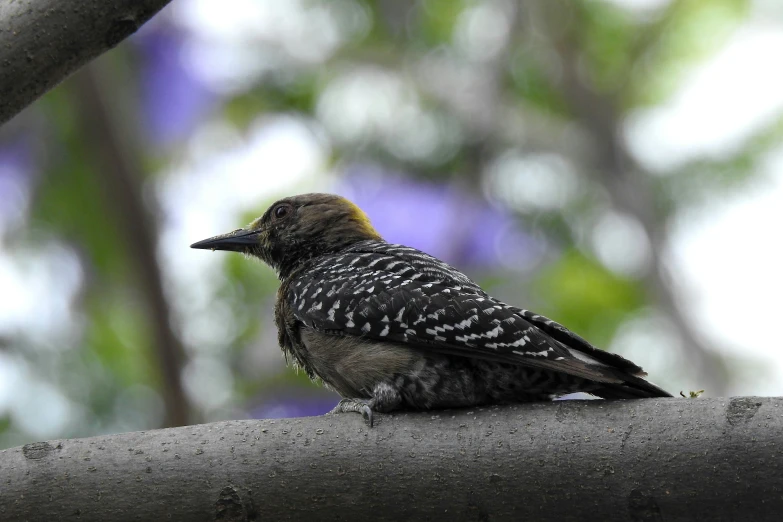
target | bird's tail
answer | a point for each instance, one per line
(633, 388)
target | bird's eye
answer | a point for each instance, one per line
(281, 211)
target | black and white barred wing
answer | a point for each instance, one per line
(363, 299)
(409, 262)
(568, 338)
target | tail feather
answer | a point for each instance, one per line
(633, 388)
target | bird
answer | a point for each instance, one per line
(389, 327)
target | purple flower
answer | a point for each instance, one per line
(292, 402)
(16, 167)
(174, 100)
(439, 219)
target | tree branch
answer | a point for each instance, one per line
(653, 459)
(43, 41)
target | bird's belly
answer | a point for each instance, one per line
(354, 367)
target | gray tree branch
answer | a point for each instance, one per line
(43, 41)
(654, 459)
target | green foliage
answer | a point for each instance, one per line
(298, 96)
(436, 19)
(606, 38)
(687, 32)
(531, 84)
(70, 200)
(118, 337)
(591, 300)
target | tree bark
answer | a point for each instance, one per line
(653, 459)
(43, 41)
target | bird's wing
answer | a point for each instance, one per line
(568, 338)
(386, 298)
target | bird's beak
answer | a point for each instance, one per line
(240, 240)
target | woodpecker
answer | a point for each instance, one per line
(389, 327)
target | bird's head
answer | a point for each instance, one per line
(296, 229)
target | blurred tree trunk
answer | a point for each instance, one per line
(118, 163)
(654, 459)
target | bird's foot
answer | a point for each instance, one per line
(362, 406)
(385, 398)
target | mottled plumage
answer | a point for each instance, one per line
(390, 327)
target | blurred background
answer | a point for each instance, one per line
(616, 165)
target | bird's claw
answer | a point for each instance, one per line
(367, 414)
(357, 406)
